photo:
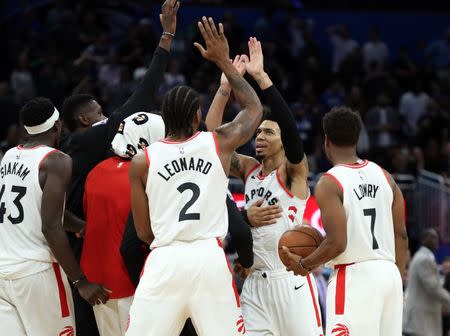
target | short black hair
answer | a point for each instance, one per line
(342, 126)
(71, 106)
(178, 110)
(36, 111)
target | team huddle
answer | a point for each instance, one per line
(171, 172)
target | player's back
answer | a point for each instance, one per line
(23, 247)
(367, 200)
(186, 189)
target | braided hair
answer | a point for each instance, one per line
(178, 110)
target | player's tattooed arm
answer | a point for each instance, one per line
(215, 114)
(241, 165)
(242, 128)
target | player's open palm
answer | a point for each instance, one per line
(217, 49)
(168, 16)
(93, 293)
(261, 216)
(239, 63)
(255, 66)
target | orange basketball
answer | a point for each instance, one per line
(301, 240)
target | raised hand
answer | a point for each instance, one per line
(239, 63)
(255, 66)
(217, 49)
(168, 16)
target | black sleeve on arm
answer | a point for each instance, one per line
(142, 99)
(281, 113)
(241, 236)
(131, 251)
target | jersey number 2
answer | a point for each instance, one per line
(195, 195)
(20, 191)
(373, 215)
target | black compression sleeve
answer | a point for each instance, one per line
(282, 114)
(241, 236)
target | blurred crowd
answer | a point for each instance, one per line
(75, 48)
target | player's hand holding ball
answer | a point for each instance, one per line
(217, 49)
(296, 244)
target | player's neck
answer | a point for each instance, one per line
(343, 155)
(271, 163)
(37, 140)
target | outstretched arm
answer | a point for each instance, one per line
(296, 166)
(214, 117)
(242, 128)
(142, 98)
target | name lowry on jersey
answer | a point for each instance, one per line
(183, 164)
(13, 168)
(366, 190)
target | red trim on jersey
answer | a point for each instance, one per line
(340, 289)
(45, 156)
(147, 157)
(355, 165)
(214, 134)
(386, 174)
(236, 293)
(283, 186)
(336, 180)
(62, 291)
(170, 142)
(313, 297)
(25, 148)
(251, 171)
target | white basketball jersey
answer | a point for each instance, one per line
(367, 199)
(265, 238)
(186, 189)
(23, 247)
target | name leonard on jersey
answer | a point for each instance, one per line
(184, 164)
(14, 169)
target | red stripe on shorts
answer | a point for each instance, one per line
(236, 293)
(62, 291)
(313, 296)
(340, 289)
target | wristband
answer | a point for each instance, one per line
(169, 34)
(307, 269)
(83, 277)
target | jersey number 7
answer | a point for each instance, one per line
(373, 215)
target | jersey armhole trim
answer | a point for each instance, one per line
(147, 157)
(216, 143)
(251, 171)
(45, 156)
(386, 174)
(283, 186)
(336, 180)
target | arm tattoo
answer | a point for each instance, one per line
(235, 164)
(224, 92)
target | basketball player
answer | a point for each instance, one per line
(178, 191)
(362, 211)
(35, 297)
(274, 301)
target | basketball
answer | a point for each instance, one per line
(301, 240)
